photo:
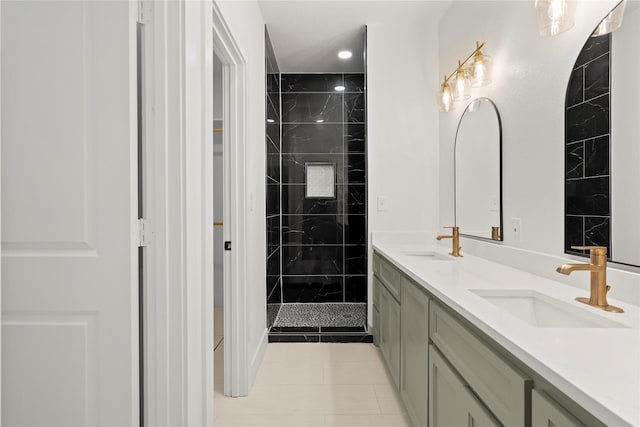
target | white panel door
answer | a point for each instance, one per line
(69, 286)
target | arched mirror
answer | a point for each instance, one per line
(478, 171)
(602, 140)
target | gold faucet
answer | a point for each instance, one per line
(598, 269)
(455, 236)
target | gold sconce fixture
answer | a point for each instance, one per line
(477, 73)
(555, 16)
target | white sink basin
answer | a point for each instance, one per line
(543, 311)
(428, 255)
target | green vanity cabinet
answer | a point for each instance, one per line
(502, 388)
(451, 402)
(389, 333)
(449, 373)
(546, 412)
(414, 351)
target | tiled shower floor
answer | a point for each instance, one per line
(326, 322)
(326, 314)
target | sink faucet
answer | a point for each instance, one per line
(598, 269)
(455, 242)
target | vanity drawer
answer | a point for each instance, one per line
(388, 275)
(502, 388)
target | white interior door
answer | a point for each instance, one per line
(69, 276)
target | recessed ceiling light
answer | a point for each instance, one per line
(320, 121)
(339, 88)
(345, 54)
(270, 120)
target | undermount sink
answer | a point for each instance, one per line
(543, 311)
(428, 255)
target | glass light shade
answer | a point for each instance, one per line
(555, 16)
(481, 70)
(445, 98)
(612, 21)
(462, 84)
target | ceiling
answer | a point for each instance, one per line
(308, 34)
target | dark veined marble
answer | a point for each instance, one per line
(355, 138)
(312, 138)
(312, 260)
(356, 199)
(295, 202)
(573, 233)
(588, 196)
(273, 199)
(273, 233)
(272, 110)
(597, 232)
(310, 288)
(309, 107)
(355, 288)
(355, 227)
(311, 82)
(596, 77)
(596, 156)
(593, 48)
(574, 167)
(354, 107)
(312, 229)
(355, 259)
(588, 120)
(294, 169)
(354, 82)
(274, 289)
(273, 263)
(575, 90)
(356, 168)
(273, 167)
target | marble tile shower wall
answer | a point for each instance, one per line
(587, 173)
(274, 179)
(324, 252)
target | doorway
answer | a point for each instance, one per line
(218, 226)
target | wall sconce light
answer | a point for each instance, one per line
(477, 74)
(612, 21)
(555, 16)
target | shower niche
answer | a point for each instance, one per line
(316, 201)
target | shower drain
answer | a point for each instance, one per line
(347, 316)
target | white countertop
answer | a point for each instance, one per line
(599, 368)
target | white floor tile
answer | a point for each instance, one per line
(388, 399)
(366, 420)
(268, 420)
(310, 384)
(292, 372)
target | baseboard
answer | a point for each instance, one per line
(258, 356)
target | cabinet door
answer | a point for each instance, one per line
(375, 326)
(390, 333)
(476, 413)
(451, 402)
(414, 382)
(545, 413)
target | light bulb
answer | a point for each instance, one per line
(462, 83)
(555, 16)
(445, 97)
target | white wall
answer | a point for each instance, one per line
(402, 126)
(529, 86)
(245, 22)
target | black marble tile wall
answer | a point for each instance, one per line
(587, 149)
(273, 184)
(324, 241)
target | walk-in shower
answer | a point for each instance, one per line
(316, 204)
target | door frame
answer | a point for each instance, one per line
(236, 366)
(181, 41)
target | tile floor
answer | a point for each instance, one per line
(310, 384)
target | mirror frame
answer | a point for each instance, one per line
(455, 179)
